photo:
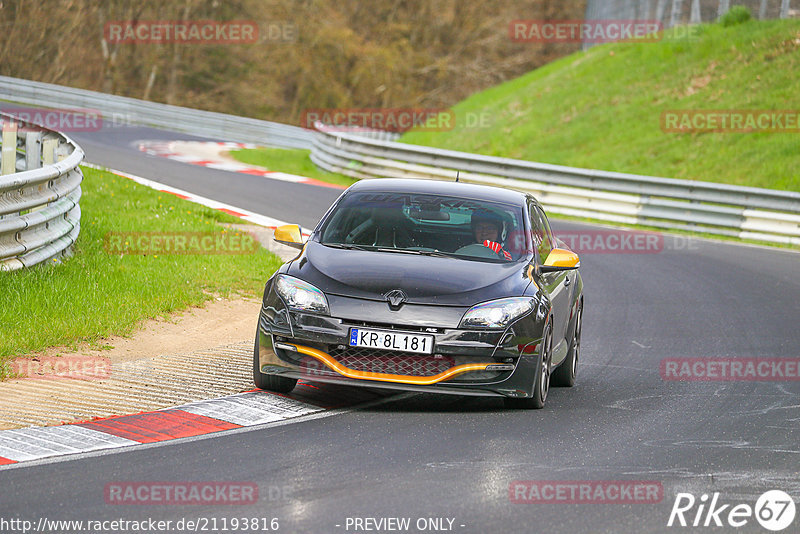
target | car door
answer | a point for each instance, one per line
(557, 285)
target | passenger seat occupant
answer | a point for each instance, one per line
(488, 229)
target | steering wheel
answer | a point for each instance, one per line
(361, 230)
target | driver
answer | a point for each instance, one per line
(488, 229)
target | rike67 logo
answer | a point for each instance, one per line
(774, 510)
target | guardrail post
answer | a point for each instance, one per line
(644, 10)
(33, 150)
(49, 148)
(692, 225)
(785, 9)
(8, 159)
(696, 17)
(661, 8)
(677, 7)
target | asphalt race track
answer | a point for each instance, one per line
(434, 456)
(116, 148)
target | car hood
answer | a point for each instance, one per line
(424, 279)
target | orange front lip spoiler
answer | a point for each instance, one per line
(384, 377)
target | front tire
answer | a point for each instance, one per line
(274, 383)
(542, 380)
(566, 373)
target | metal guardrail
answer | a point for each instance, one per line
(120, 109)
(745, 212)
(131, 111)
(720, 209)
(39, 193)
(671, 13)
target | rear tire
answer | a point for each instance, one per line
(542, 380)
(566, 373)
(274, 383)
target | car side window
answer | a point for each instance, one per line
(547, 231)
(541, 235)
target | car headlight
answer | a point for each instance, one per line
(300, 295)
(497, 313)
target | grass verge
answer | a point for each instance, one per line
(291, 161)
(95, 294)
(601, 109)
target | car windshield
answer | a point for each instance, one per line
(427, 225)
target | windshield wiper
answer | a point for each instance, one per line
(346, 246)
(437, 253)
(351, 246)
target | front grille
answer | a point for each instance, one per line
(391, 362)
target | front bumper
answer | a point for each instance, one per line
(465, 362)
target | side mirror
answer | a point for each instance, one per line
(289, 234)
(560, 260)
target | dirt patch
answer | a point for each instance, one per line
(218, 322)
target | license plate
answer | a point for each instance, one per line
(385, 340)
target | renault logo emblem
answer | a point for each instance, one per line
(396, 298)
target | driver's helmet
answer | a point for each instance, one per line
(484, 215)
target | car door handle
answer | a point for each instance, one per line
(566, 282)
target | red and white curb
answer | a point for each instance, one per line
(211, 154)
(189, 420)
(255, 218)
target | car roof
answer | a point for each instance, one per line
(437, 187)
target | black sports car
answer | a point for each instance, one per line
(425, 286)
